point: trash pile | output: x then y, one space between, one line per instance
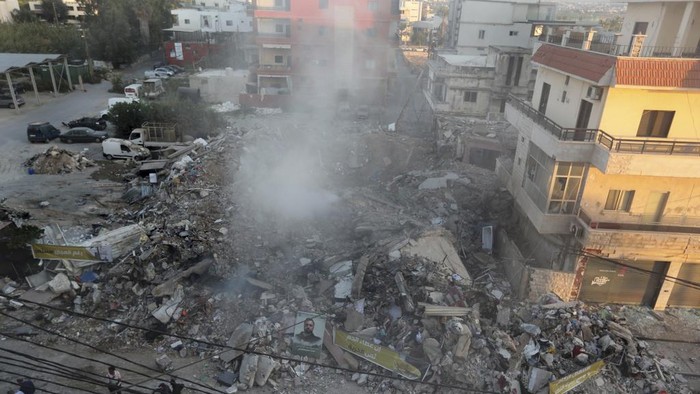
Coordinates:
57 161
391 282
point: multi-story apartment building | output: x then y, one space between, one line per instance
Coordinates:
474 25
411 10
205 28
607 166
476 85
76 10
323 48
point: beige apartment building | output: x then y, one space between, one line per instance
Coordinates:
607 167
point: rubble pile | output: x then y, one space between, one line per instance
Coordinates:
455 134
396 266
57 161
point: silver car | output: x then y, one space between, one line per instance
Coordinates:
6 101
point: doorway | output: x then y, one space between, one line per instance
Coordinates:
544 98
656 281
584 116
639 28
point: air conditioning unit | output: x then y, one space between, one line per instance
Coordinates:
576 230
594 92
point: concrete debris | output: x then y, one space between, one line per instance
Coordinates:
397 263
57 161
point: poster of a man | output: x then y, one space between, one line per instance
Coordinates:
308 335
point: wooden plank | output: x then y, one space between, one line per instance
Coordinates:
359 276
335 351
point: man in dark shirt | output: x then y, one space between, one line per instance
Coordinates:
26 386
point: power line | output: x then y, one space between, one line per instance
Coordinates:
98 350
274 356
43 380
52 365
45 372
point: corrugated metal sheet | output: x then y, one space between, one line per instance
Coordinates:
605 281
11 61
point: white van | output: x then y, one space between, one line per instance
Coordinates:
135 90
116 148
153 88
155 74
104 114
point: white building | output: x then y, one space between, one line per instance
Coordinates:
411 10
231 18
6 8
75 10
477 24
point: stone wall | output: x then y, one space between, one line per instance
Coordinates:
543 281
513 264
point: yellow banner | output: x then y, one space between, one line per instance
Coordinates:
59 252
569 382
380 355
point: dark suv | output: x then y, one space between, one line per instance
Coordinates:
41 132
6 100
93 123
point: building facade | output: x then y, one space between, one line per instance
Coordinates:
474 25
6 8
475 85
323 49
607 165
209 29
76 11
411 10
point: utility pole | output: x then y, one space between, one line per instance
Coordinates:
87 54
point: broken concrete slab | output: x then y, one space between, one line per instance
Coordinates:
354 320
431 348
239 340
438 246
538 379
464 342
249 367
266 365
437 183
169 286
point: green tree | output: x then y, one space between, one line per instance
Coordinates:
111 36
612 24
54 11
40 37
128 116
23 15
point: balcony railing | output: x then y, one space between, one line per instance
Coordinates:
613 144
648 146
561 133
613 220
606 46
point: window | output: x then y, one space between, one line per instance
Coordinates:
539 168
655 123
373 5
187 21
513 33
279 59
229 23
619 200
518 70
469 96
322 3
566 81
482 33
563 96
565 188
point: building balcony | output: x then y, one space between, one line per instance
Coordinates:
273 69
273 39
435 105
637 236
608 153
606 46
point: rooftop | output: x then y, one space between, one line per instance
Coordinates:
464 60
621 70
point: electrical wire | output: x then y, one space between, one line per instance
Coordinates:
274 356
45 372
79 375
43 380
99 351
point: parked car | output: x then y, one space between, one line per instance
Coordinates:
93 123
41 132
82 134
6 101
165 70
19 88
115 148
156 74
177 69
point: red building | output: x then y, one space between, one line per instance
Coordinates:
323 49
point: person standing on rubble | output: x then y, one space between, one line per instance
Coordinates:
176 387
26 386
162 389
114 380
